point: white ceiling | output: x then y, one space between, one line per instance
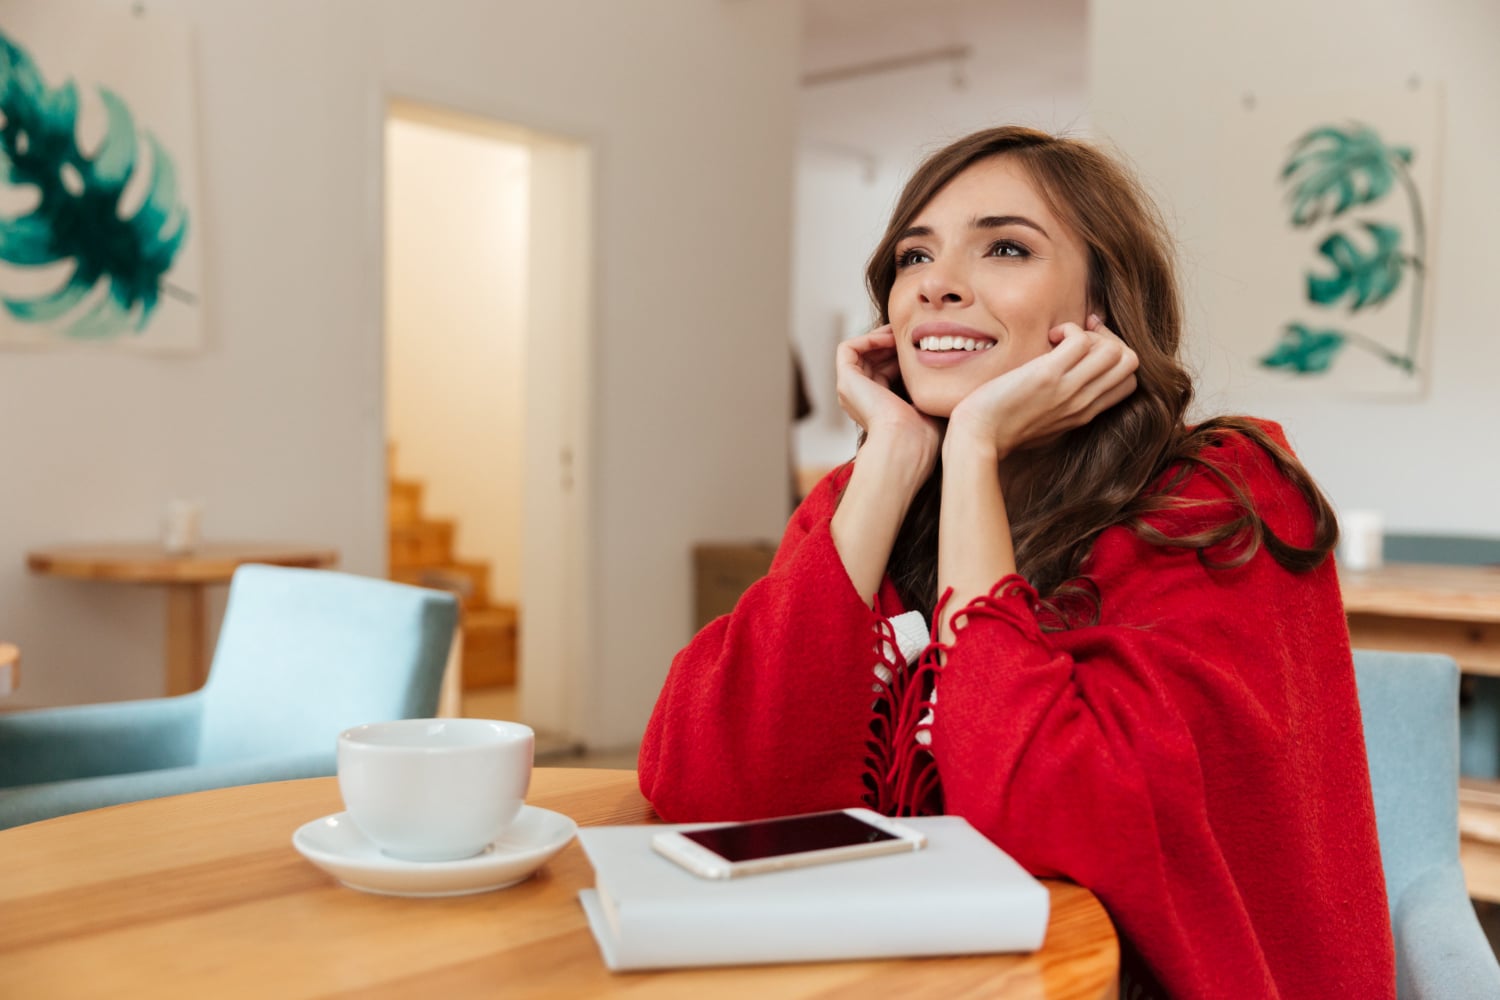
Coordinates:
1028 65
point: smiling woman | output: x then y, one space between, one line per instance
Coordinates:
1136 632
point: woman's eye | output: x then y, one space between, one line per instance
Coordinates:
909 257
1005 248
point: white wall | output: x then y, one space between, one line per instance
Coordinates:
276 425
456 255
279 426
841 213
1164 70
690 107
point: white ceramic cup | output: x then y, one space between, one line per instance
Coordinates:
1361 540
434 789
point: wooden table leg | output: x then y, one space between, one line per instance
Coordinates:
10 667
186 638
451 694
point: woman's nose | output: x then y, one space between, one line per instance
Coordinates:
943 285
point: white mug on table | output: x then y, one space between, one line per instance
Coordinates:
435 789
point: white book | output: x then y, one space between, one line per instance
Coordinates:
958 895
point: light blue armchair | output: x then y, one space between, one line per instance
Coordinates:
1411 734
303 654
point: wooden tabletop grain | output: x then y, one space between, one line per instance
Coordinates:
1418 590
203 896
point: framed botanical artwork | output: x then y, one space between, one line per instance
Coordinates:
99 217
1324 240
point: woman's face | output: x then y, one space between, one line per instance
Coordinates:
982 275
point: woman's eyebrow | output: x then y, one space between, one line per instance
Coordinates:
1001 221
982 222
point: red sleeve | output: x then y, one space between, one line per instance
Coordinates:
767 711
1195 759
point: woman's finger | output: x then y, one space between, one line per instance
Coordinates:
1069 338
876 342
1116 393
1112 386
1104 356
879 337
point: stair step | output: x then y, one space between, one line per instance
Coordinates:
421 553
405 504
490 643
469 581
425 543
500 616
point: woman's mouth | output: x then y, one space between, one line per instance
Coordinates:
953 344
941 345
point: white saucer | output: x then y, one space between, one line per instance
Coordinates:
337 846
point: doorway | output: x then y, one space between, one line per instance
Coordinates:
487 397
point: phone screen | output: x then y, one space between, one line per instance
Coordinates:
794 835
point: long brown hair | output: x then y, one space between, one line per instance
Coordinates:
1100 474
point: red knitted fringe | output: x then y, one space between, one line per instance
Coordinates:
901 777
901 774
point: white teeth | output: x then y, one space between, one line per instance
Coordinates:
953 344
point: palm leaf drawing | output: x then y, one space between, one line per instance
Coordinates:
1305 351
1370 278
1331 170
77 217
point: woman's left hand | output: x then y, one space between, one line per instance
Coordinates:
1087 371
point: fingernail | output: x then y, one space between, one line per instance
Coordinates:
1094 319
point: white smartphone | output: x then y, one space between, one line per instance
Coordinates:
736 849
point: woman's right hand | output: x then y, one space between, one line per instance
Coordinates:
899 453
866 367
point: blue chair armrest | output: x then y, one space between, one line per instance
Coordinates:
1441 951
52 744
32 803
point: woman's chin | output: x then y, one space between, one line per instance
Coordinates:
939 407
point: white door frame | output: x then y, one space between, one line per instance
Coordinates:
557 596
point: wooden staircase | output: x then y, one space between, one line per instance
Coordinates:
422 553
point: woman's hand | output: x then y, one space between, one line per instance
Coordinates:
1087 371
866 368
899 454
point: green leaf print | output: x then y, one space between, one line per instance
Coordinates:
1333 169
1369 277
77 217
1305 351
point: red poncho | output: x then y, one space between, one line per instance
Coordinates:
1195 759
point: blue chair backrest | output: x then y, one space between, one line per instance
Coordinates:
1410 706
304 654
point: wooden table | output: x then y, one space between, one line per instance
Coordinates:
1417 608
202 895
185 576
1412 607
